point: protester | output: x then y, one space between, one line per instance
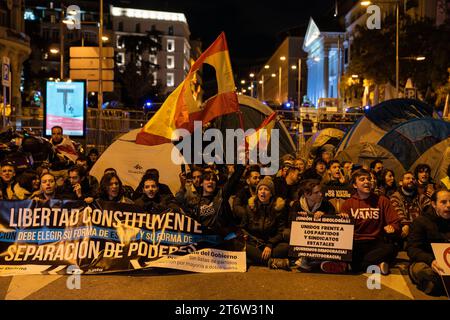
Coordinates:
211 207
92 157
374 217
334 185
408 203
191 184
66 150
425 184
347 170
317 170
77 186
312 203
431 227
30 181
388 185
376 166
287 187
111 189
128 190
49 190
152 201
263 223
10 188
252 178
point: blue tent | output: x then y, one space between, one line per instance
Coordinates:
384 117
409 140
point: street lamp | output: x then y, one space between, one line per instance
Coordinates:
397 14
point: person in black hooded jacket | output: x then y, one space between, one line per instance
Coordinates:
263 224
152 200
431 227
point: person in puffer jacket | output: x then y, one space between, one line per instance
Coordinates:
431 227
263 224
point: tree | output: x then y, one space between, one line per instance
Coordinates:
373 53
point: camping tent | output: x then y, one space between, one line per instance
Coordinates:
131 160
408 141
438 158
330 136
384 117
366 152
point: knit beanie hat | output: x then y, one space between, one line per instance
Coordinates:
267 181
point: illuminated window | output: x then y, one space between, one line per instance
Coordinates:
170 79
170 62
120 58
155 78
170 45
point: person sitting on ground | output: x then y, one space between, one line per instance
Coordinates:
163 188
252 178
211 206
93 182
408 203
317 170
128 191
287 161
49 190
334 185
376 166
111 189
388 185
312 203
77 186
191 184
30 181
287 187
374 216
431 227
10 188
152 201
425 184
300 164
263 224
92 158
347 170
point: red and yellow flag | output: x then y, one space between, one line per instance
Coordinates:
180 109
256 138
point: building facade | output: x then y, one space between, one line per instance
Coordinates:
278 80
173 58
324 45
15 45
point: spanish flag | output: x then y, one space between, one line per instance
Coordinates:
180 109
259 137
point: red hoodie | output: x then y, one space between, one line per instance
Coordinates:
371 215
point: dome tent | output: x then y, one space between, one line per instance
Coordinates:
438 158
366 152
408 141
384 117
322 137
131 160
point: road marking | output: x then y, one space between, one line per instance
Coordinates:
21 287
396 282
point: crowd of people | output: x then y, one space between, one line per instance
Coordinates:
390 214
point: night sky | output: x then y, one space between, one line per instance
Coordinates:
253 28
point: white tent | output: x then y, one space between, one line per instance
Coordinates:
131 160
